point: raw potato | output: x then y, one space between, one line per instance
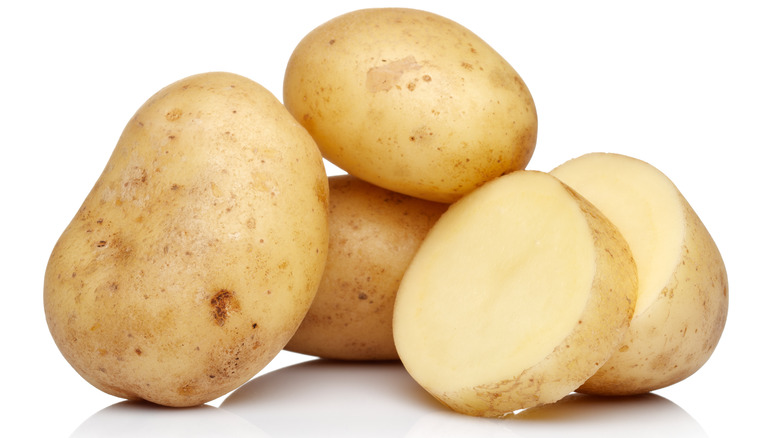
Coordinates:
683 288
518 294
197 253
411 101
374 234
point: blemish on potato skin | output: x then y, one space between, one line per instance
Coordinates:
173 114
222 304
385 77
186 390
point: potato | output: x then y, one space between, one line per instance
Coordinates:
683 289
373 235
197 253
411 102
518 294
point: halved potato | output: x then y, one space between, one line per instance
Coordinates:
518 294
683 288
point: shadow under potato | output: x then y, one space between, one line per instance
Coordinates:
333 398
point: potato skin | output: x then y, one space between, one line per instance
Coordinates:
374 234
677 334
411 101
198 251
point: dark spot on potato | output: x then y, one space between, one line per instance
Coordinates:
321 191
138 351
101 244
362 296
173 114
331 42
222 304
186 390
426 78
254 325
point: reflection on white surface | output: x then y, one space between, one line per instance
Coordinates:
323 398
138 419
330 398
578 415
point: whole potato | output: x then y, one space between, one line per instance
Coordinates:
197 253
411 101
374 234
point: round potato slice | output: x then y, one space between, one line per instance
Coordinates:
374 234
683 289
518 294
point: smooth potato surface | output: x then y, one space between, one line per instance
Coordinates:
198 251
374 233
683 286
411 101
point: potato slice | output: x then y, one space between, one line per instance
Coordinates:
683 288
518 294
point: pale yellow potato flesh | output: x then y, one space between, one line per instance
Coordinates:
518 294
374 233
197 253
683 288
411 101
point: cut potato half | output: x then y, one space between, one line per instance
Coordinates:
683 289
518 294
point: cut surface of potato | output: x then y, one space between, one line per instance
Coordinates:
683 291
517 295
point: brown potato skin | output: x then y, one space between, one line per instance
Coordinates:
411 101
197 253
374 233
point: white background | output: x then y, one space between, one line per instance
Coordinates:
691 87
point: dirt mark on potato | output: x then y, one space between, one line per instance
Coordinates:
222 304
386 76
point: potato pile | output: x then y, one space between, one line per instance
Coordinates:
214 238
